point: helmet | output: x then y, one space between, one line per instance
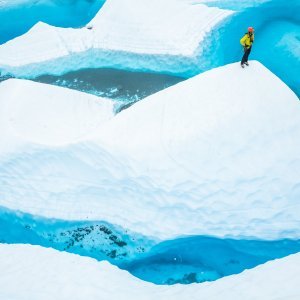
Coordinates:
250 29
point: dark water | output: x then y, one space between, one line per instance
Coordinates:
123 86
183 260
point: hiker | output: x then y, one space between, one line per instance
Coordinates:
247 41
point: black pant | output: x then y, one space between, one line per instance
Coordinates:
246 55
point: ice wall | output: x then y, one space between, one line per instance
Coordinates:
277 41
18 16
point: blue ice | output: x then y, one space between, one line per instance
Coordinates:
183 260
18 19
277 38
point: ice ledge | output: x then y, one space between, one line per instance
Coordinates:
167 30
41 273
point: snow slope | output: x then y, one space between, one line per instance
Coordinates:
217 155
37 113
39 273
163 31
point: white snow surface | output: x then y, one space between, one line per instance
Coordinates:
218 154
37 113
33 272
120 29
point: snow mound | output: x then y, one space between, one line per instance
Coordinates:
162 30
49 115
218 154
41 273
224 113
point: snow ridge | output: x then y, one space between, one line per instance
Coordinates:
70 276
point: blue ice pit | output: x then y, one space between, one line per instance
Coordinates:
184 260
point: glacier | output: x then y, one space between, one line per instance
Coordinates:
214 165
70 276
198 182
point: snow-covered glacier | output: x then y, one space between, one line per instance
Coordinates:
221 165
161 163
194 183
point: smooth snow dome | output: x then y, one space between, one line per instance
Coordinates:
207 156
40 273
48 115
18 16
133 34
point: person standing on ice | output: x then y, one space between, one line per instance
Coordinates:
247 41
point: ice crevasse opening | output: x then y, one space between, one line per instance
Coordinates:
183 260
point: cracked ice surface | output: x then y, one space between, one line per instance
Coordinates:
179 162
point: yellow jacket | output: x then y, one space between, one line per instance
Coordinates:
247 40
